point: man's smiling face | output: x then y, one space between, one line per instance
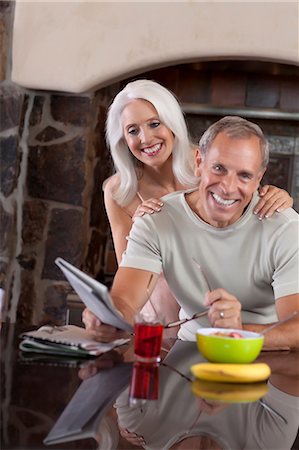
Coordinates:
230 172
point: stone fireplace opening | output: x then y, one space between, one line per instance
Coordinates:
54 161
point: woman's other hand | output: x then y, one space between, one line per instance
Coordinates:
273 199
148 207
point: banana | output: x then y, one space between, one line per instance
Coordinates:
228 392
231 373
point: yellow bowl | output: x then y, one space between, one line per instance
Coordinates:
226 349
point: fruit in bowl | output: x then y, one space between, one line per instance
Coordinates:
227 345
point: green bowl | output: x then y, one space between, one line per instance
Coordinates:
222 349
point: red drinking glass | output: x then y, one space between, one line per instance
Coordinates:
148 334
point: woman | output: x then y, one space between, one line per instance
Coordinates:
153 156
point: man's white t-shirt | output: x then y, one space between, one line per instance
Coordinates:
254 260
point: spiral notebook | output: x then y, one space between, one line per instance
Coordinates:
65 340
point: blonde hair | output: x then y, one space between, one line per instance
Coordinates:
170 114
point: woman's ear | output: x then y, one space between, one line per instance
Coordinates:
197 162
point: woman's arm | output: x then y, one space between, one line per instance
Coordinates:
272 199
120 221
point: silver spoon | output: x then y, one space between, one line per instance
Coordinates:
202 272
180 322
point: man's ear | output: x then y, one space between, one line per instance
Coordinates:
197 162
261 174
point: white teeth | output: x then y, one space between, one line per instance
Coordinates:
222 201
151 150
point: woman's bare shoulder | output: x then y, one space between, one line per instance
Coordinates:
110 184
109 187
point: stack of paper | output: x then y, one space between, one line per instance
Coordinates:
65 340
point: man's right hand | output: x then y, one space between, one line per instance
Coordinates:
100 331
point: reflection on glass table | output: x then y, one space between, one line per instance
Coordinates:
180 416
185 420
86 404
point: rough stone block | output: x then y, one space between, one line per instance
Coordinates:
98 137
197 125
55 303
65 239
10 106
98 216
95 252
37 110
6 231
110 258
27 298
71 110
278 171
34 220
9 164
27 261
56 172
3 51
6 6
3 273
23 114
49 134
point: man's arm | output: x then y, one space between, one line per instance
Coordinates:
130 291
286 335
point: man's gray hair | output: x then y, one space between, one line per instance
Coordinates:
235 127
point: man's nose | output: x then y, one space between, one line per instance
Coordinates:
230 182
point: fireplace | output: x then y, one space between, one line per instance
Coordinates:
54 161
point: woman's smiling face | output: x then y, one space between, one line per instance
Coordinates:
149 140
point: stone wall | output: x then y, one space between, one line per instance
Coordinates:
61 162
10 156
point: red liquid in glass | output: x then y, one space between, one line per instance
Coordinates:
148 339
145 381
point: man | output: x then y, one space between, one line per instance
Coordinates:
248 275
